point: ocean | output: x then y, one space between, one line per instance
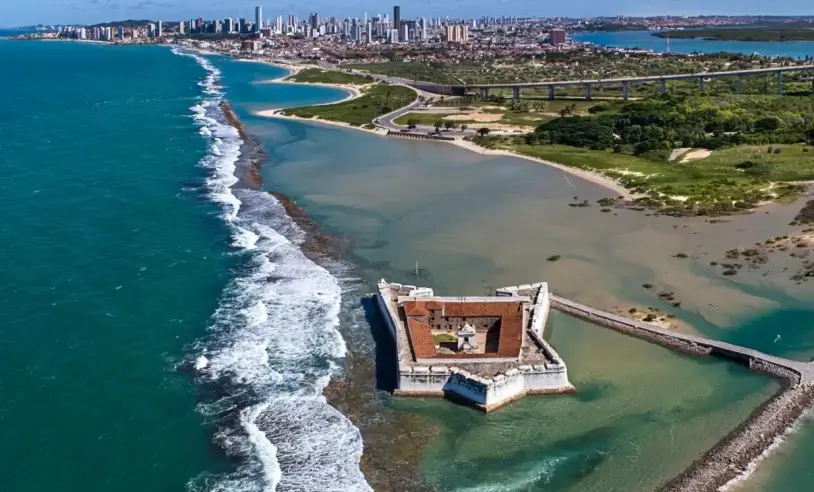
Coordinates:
132 254
167 327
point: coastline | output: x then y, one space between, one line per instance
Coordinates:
593 177
387 434
355 92
276 113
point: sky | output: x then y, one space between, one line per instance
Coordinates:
28 12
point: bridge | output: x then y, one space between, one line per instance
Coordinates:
796 371
624 82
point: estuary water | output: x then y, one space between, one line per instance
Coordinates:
134 253
646 41
641 413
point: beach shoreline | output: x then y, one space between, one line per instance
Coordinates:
386 433
593 177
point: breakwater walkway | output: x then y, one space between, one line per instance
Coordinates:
798 372
734 455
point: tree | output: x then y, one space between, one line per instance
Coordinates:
483 131
412 123
438 124
449 125
464 126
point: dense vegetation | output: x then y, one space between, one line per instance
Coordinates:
576 65
316 75
438 72
757 33
757 143
375 101
654 126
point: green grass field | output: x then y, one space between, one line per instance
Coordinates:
376 100
719 182
316 75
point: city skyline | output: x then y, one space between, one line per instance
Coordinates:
95 11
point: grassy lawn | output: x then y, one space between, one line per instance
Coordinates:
316 75
530 120
716 184
377 100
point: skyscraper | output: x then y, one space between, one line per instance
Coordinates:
160 30
397 18
258 18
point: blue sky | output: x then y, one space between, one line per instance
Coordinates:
26 12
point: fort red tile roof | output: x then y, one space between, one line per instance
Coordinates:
421 338
510 340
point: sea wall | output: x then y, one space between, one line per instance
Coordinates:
748 442
629 328
484 393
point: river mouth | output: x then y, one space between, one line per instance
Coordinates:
473 223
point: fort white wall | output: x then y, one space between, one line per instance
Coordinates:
484 393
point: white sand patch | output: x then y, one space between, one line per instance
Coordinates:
696 154
676 153
479 117
625 172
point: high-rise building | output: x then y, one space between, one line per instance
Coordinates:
278 25
160 30
556 37
457 33
397 18
258 18
182 27
404 33
369 32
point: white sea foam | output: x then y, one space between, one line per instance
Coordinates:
274 341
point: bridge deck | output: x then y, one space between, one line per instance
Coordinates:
805 369
650 78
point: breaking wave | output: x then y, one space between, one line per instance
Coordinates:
273 343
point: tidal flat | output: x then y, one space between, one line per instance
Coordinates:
472 223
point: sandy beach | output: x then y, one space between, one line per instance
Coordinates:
276 113
593 177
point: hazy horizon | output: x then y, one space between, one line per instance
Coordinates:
53 12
